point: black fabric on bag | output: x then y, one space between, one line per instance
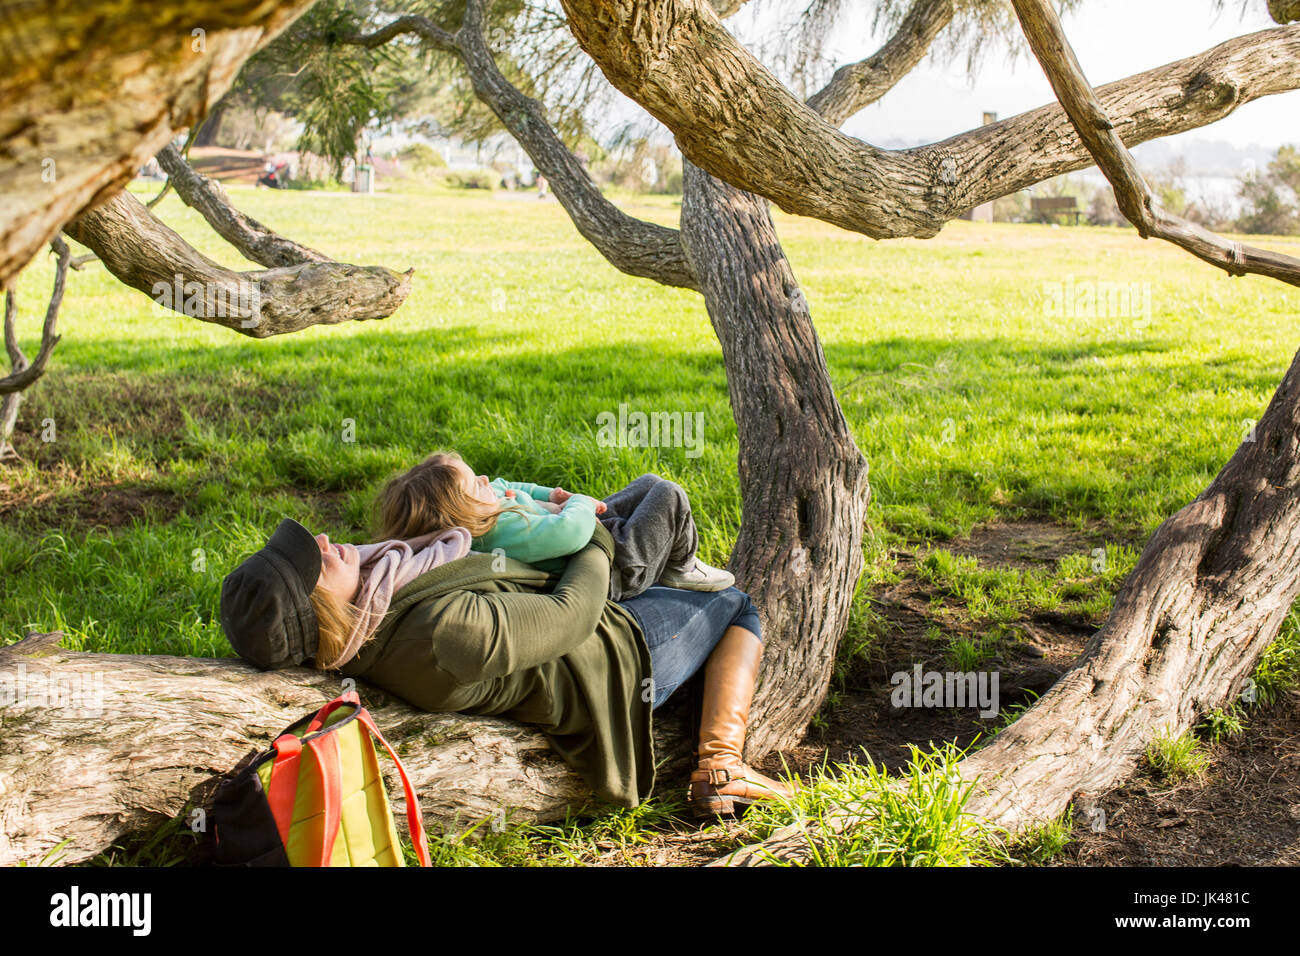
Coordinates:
243 827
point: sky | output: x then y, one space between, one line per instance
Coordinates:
1113 39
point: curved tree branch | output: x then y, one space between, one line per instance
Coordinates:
256 242
146 255
857 85
631 245
1046 37
734 119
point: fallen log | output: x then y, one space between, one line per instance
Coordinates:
95 747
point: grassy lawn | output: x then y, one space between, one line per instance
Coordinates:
974 387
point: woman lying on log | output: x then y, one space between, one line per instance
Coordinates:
448 629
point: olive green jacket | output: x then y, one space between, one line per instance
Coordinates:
466 638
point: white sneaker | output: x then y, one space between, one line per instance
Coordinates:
699 578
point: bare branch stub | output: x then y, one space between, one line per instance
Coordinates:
1043 30
24 373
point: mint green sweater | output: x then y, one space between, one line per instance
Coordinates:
538 537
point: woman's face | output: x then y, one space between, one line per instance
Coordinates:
476 486
340 568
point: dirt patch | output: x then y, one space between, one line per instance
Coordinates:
1244 812
866 717
1030 542
106 505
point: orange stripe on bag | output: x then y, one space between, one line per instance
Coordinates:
283 787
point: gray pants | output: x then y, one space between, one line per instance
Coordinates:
653 531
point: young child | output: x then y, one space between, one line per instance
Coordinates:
650 520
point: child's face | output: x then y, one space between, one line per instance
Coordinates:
476 486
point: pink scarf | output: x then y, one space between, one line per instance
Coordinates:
387 567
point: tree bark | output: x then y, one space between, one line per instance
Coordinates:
88 94
144 254
166 728
803 480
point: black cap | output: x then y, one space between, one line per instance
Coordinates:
266 608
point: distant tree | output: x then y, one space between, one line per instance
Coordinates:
1271 205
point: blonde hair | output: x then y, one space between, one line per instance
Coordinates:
335 620
430 497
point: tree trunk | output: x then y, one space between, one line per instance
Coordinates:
89 91
1188 626
166 727
211 128
803 480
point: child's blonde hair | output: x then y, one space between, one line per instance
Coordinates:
335 620
430 497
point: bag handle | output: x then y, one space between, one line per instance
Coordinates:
318 721
283 787
414 818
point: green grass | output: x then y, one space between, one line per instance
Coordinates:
967 397
916 818
1222 723
1177 756
1278 669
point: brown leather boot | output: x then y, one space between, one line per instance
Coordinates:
721 779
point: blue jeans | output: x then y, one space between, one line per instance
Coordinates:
682 628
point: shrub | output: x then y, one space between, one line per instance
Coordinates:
471 179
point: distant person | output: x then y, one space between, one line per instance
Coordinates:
541 187
274 175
